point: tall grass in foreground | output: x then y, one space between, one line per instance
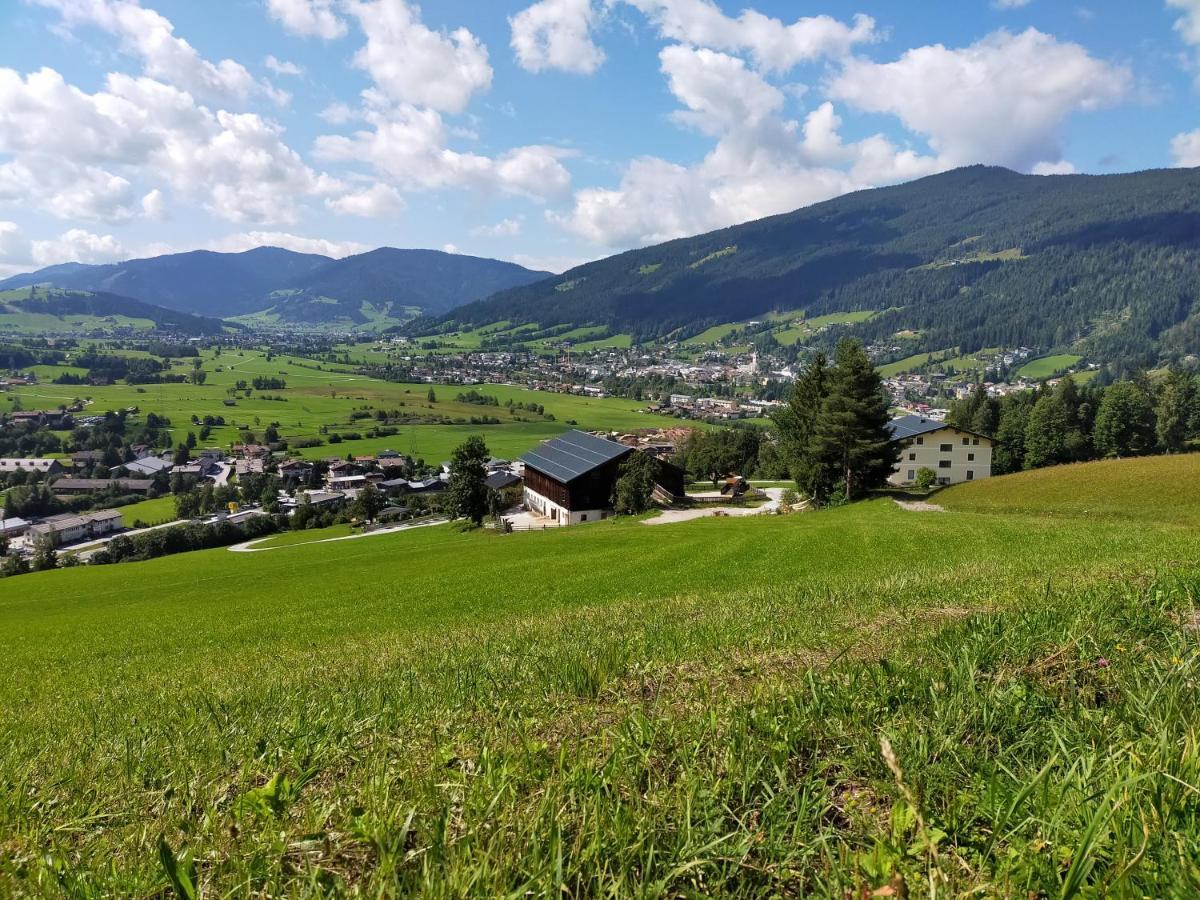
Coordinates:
1051 749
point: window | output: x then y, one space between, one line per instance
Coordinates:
912 474
912 457
583 518
920 440
944 464
970 475
946 448
970 457
966 442
975 442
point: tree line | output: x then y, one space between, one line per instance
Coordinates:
1076 423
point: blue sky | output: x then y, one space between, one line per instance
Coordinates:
547 132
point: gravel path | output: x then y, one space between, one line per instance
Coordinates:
248 546
671 516
918 506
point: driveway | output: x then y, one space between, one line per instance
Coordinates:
672 516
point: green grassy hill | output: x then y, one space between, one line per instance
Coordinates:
996 703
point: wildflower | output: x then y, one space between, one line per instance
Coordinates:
1102 663
1121 648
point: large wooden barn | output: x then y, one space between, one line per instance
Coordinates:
570 479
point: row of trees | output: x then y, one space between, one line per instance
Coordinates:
1073 423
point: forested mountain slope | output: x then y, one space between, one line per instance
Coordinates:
39 309
973 258
201 283
294 287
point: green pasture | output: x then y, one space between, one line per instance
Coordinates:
1048 366
319 397
991 703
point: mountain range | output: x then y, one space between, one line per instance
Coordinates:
270 284
1107 266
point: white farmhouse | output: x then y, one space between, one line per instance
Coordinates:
954 454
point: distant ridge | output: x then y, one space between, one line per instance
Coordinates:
299 287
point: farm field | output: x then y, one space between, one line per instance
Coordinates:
320 397
992 702
912 363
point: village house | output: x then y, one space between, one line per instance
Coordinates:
12 527
37 466
953 454
72 486
242 467
68 529
148 466
571 478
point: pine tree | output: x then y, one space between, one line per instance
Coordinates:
1178 404
1125 422
1046 433
850 434
795 423
468 494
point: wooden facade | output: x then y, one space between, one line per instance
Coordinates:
593 490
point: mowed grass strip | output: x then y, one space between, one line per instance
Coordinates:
616 710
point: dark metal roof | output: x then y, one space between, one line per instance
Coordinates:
498 481
573 455
911 426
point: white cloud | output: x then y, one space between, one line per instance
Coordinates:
506 228
718 90
374 202
555 264
1002 100
761 164
408 145
282 67
414 65
80 246
308 18
154 205
1185 149
238 243
1188 25
146 34
772 44
1010 4
1062 167
338 114
556 34
15 248
451 248
237 165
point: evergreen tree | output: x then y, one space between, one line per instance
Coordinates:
468 494
1046 433
796 424
850 434
1125 422
1178 405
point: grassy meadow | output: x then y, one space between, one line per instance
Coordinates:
982 701
316 397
